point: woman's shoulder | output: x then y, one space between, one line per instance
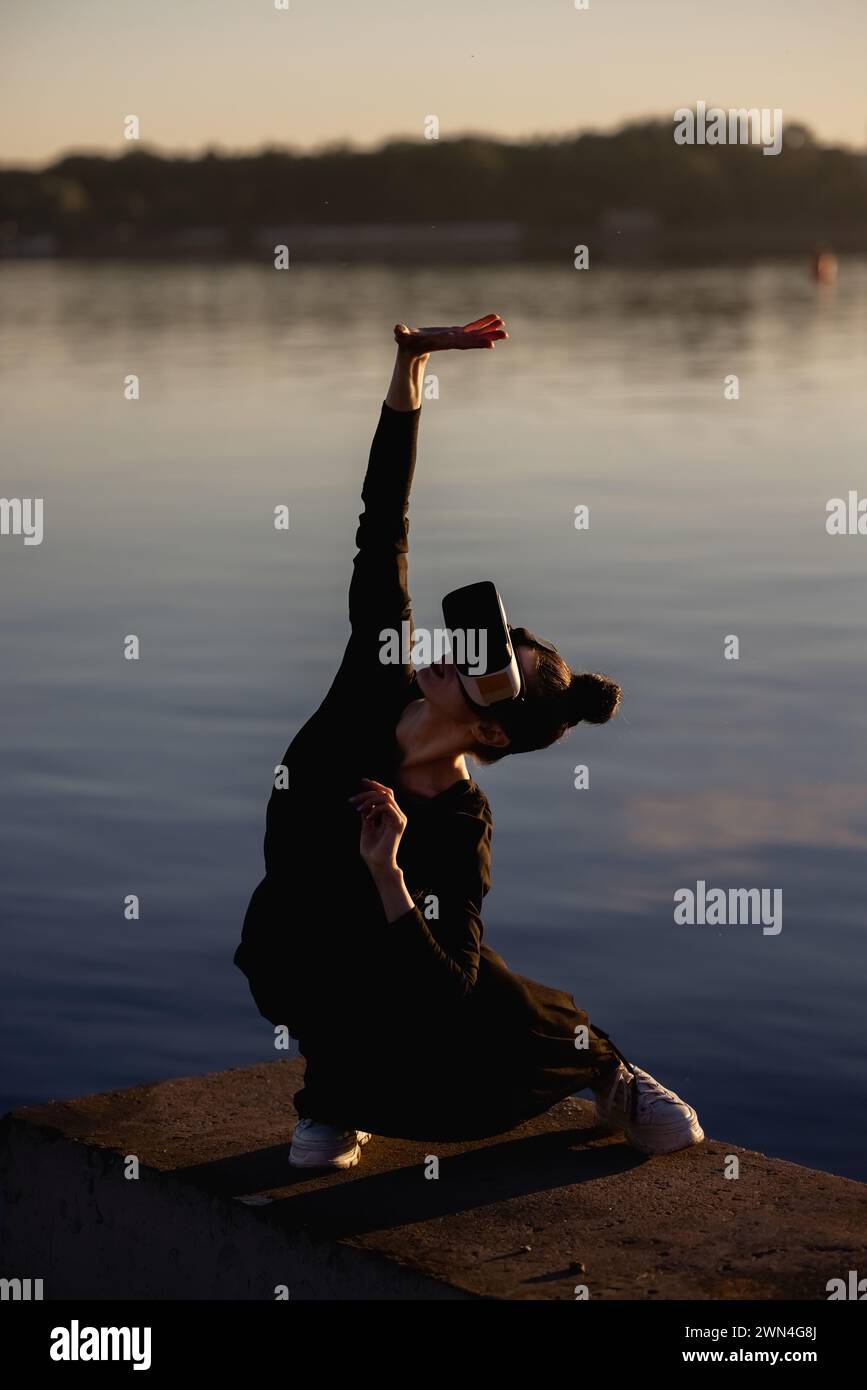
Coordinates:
473 819
466 838
466 799
476 799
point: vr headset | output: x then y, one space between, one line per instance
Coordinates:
490 674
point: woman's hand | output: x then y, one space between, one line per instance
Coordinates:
382 825
414 346
482 333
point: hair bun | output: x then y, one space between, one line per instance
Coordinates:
591 697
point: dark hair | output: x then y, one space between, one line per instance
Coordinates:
557 699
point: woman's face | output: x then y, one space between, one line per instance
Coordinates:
440 686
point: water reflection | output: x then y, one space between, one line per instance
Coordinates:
707 518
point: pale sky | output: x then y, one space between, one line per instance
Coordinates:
239 73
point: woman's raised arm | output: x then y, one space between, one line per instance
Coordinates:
378 595
377 657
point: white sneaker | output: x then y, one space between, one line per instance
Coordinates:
653 1119
316 1145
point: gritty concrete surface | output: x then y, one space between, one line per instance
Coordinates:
217 1213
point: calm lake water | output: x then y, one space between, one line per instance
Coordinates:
707 518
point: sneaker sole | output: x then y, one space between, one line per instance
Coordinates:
311 1159
668 1143
308 1156
665 1143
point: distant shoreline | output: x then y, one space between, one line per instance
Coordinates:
633 194
466 243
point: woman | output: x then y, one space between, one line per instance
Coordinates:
364 939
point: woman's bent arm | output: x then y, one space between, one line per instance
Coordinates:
445 964
421 959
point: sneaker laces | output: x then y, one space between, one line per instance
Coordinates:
620 1080
652 1093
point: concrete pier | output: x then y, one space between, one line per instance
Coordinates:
216 1213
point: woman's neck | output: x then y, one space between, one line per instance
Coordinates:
429 762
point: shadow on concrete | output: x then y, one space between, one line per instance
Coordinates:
347 1204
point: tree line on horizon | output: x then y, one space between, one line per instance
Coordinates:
569 181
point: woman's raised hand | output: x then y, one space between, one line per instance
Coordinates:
382 825
481 333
